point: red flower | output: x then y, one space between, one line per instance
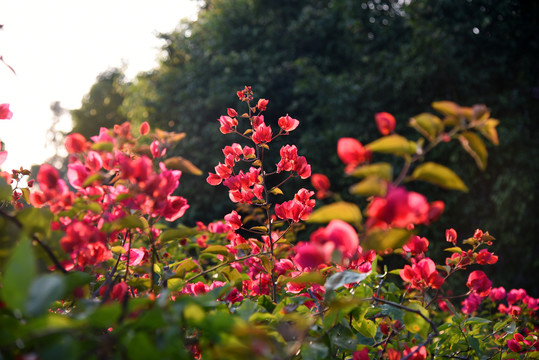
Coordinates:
341 234
262 134
385 123
361 355
479 283
416 245
420 354
5 113
451 236
228 124
287 123
423 274
485 257
144 128
231 112
75 143
514 345
175 208
321 184
497 294
233 220
352 153
262 104
399 208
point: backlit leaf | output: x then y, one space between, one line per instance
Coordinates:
473 144
427 125
342 278
341 210
386 239
180 163
415 323
488 130
439 175
393 144
447 108
383 170
18 275
371 185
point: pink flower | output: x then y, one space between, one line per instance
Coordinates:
321 184
262 134
385 123
484 257
479 283
287 123
157 149
144 128
233 220
451 236
262 104
311 255
420 354
5 113
399 208
175 208
361 355
416 245
497 294
75 143
423 274
471 303
228 124
352 153
514 345
341 234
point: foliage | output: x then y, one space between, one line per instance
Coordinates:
99 272
343 61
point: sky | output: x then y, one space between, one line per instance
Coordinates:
59 47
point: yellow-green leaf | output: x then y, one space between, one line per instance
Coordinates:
261 229
427 125
393 144
371 185
186 266
488 130
304 278
216 249
472 143
383 170
455 249
103 146
447 108
276 191
386 239
439 175
341 210
179 163
118 250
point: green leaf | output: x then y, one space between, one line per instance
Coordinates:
393 144
476 320
44 290
372 185
265 302
473 144
216 249
177 234
18 275
386 239
383 170
314 351
129 222
36 220
455 249
439 175
427 125
341 210
303 278
185 266
91 179
339 279
365 327
414 322
103 146
261 229
5 190
447 108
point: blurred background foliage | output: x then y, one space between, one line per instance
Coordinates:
333 65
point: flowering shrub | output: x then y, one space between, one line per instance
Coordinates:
95 267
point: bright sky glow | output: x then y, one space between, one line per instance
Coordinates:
59 47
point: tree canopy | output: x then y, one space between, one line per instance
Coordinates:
333 65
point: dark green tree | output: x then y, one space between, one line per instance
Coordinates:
333 64
100 107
